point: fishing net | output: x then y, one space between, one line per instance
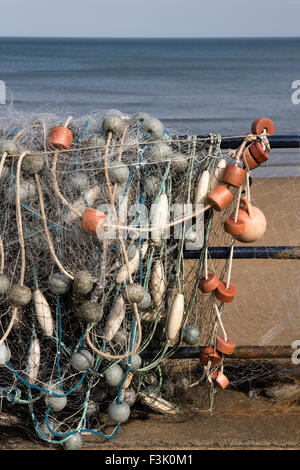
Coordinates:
92 243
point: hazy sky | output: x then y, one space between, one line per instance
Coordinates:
150 18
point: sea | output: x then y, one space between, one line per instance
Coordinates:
194 86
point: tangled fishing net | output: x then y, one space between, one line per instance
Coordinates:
96 213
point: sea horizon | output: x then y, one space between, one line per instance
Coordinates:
194 85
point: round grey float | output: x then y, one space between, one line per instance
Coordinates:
33 164
74 442
152 128
4 284
19 295
90 312
134 293
24 193
191 334
4 354
57 403
158 153
119 413
79 182
113 123
82 360
136 362
95 140
59 284
46 431
113 376
83 282
120 337
145 302
130 396
140 117
118 172
9 147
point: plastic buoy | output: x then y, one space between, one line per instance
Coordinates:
255 222
119 412
209 354
234 228
209 284
258 152
224 347
225 295
261 124
234 176
221 380
191 334
74 442
249 160
59 284
92 221
60 138
219 198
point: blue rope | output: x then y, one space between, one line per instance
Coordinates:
55 227
41 389
78 431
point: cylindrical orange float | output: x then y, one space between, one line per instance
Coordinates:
225 295
60 138
221 380
234 227
92 221
249 160
210 354
258 152
209 284
224 347
261 124
219 198
234 176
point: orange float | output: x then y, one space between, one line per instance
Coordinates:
209 284
92 221
209 354
60 138
225 295
249 160
225 347
219 198
255 222
234 227
258 152
234 176
221 380
263 124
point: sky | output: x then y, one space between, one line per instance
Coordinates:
150 18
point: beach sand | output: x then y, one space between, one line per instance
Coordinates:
265 311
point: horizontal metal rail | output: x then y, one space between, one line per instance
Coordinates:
276 141
240 352
248 252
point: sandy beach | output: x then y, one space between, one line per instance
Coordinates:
266 308
265 311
